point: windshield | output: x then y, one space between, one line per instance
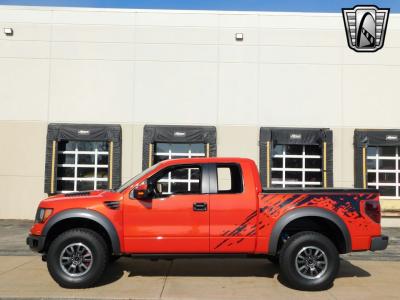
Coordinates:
132 180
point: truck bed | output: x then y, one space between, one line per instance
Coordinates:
318 190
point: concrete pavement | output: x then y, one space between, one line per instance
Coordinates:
13 235
27 277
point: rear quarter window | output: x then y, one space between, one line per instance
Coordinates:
229 179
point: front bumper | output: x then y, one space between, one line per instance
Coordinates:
36 242
379 243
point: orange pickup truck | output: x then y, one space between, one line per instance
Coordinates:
220 211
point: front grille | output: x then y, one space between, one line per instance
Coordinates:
112 204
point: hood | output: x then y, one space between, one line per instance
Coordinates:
81 199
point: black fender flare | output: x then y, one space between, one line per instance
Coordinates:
306 212
89 215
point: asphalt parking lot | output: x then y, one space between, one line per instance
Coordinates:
362 275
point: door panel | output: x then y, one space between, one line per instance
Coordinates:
233 211
167 225
233 222
177 219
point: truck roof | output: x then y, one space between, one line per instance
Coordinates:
205 160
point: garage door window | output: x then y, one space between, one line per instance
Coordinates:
82 165
182 180
170 151
296 166
296 157
376 161
383 170
161 142
82 157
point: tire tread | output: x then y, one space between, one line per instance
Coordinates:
102 259
294 280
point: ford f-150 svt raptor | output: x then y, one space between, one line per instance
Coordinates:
206 207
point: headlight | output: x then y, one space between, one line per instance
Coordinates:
43 214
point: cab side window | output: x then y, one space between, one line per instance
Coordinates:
179 180
229 179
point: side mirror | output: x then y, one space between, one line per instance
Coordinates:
142 192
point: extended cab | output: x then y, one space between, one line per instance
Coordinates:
206 207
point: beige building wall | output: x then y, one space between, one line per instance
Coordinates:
22 168
137 67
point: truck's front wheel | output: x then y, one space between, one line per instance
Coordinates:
309 261
77 258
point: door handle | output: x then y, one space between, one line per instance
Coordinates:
200 206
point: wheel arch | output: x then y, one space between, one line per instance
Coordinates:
86 216
304 213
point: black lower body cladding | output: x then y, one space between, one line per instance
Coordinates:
36 242
379 243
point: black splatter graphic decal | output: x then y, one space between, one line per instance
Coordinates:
243 226
272 206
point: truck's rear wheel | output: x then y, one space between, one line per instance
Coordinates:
309 261
77 258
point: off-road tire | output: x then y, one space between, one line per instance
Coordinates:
92 241
289 259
